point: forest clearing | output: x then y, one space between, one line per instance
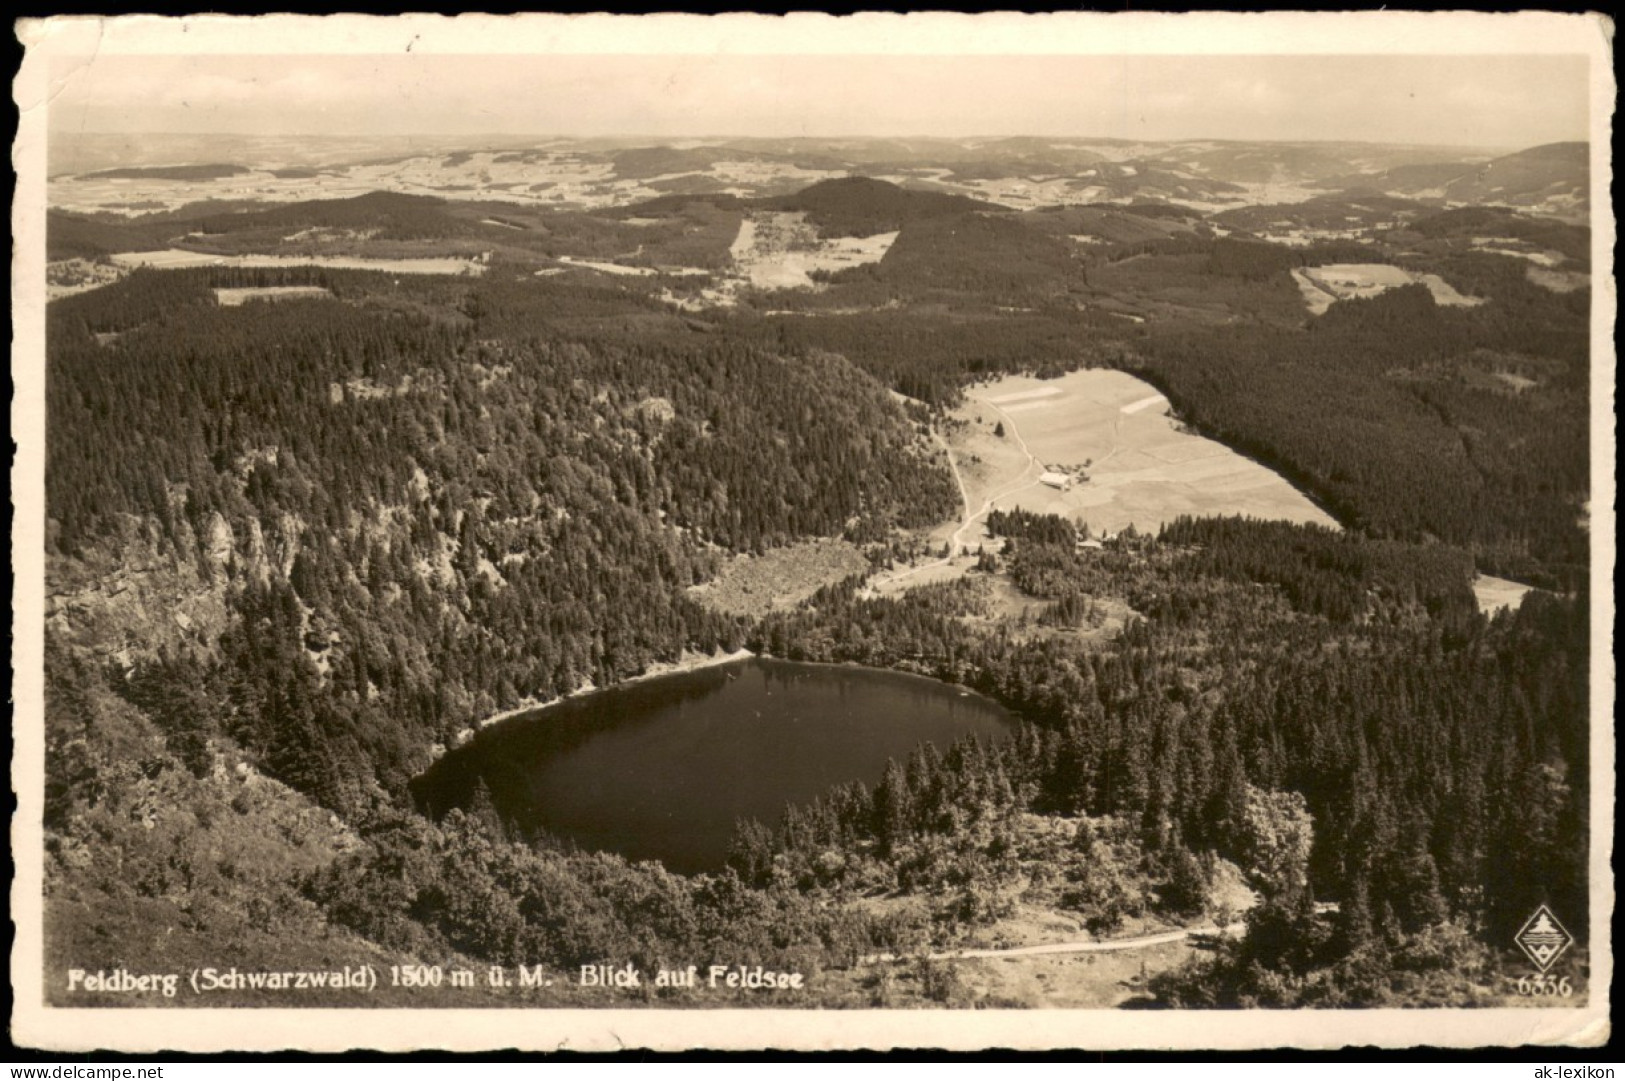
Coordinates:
779 250
1323 286
1124 461
231 298
1493 593
176 258
1114 429
780 578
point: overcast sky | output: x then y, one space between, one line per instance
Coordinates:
1492 101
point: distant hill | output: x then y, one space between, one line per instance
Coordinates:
1112 224
648 162
1402 179
668 205
394 215
860 206
70 236
1469 222
1146 180
1022 156
1350 210
1554 176
994 256
385 215
689 184
1252 163
1021 171
1033 146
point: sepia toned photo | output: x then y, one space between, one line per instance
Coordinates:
933 531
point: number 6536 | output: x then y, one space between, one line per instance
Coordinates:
1549 986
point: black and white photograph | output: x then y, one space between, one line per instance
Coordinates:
889 531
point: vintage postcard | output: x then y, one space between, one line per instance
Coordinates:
1075 531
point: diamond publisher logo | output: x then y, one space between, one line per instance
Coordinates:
1543 939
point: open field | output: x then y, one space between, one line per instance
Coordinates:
556 176
607 268
1558 281
1518 249
1497 593
1124 459
782 578
175 257
231 298
1446 294
574 262
1322 286
1114 429
65 277
779 250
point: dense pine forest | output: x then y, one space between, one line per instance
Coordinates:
383 515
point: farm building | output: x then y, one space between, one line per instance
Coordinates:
1063 481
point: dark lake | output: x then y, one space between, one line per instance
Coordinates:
662 769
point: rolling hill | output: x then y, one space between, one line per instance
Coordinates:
859 206
1131 224
1555 176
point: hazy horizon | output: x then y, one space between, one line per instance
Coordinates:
1497 102
725 136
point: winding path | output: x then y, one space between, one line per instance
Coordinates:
1026 477
969 518
1109 945
1014 432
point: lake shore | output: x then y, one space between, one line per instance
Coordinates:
686 662
665 769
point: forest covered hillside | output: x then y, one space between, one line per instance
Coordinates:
310 525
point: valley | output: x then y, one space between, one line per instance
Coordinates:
1234 480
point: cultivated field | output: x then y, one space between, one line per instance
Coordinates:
1322 286
779 250
176 257
624 270
231 298
65 277
1497 593
1558 281
1097 447
1115 430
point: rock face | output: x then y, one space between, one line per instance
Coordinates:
123 601
221 543
137 593
657 409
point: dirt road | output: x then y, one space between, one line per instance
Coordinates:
1109 945
969 517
